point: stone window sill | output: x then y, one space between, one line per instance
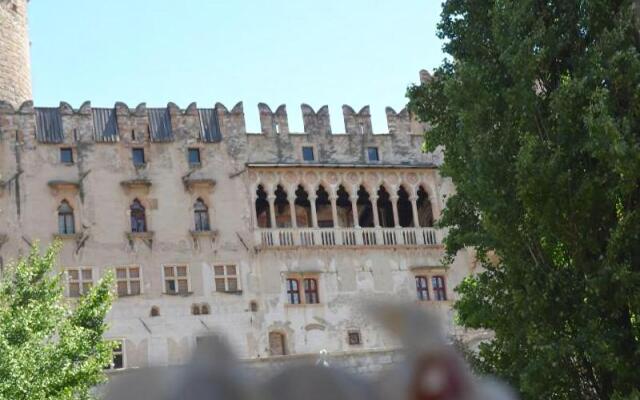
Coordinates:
210 233
139 235
230 292
67 236
303 305
187 294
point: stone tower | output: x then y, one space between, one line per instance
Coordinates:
15 66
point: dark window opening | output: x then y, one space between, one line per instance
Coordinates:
66 223
345 210
354 338
204 309
421 288
262 209
201 215
425 211
307 153
323 209
293 291
66 155
365 209
194 157
138 156
253 306
439 290
372 154
155 311
138 217
195 309
405 209
311 291
385 209
303 208
283 208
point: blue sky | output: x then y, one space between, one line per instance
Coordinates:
356 52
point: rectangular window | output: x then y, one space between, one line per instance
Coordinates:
117 359
79 281
439 289
307 153
138 156
311 291
422 288
372 154
176 279
194 157
128 281
66 155
226 278
293 291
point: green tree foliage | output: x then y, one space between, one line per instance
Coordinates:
50 349
538 108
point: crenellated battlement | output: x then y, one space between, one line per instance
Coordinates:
140 123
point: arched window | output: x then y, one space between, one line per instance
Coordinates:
345 212
365 210
277 344
201 214
405 210
311 291
283 210
425 212
323 208
303 208
138 217
66 222
385 209
262 208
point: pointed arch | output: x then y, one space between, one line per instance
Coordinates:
405 209
385 208
66 219
425 208
323 208
282 207
303 208
365 208
263 213
345 210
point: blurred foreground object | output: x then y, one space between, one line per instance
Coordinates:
432 370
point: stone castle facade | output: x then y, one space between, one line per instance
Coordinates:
275 239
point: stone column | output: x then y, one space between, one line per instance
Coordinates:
272 210
334 209
354 208
414 209
292 211
374 209
394 205
314 214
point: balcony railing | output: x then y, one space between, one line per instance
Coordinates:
331 237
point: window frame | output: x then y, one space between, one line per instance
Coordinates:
143 210
122 352
439 292
68 219
377 153
422 291
81 281
128 280
175 278
66 151
304 150
198 216
140 151
311 295
194 150
351 332
293 293
226 276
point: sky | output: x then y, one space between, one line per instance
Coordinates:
333 52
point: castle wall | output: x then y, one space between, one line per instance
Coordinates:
102 182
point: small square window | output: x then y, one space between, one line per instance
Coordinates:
372 154
117 360
307 153
194 157
226 278
66 155
354 338
138 157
